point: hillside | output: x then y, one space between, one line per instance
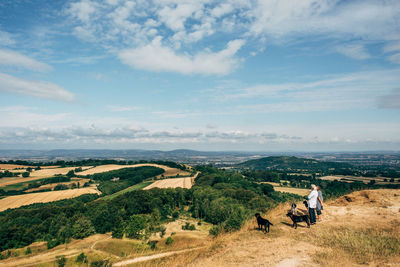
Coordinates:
291 164
361 228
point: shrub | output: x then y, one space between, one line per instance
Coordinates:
163 229
82 258
216 230
169 241
100 263
175 215
25 174
117 232
28 251
61 261
52 243
152 244
188 226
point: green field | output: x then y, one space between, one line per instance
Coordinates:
131 188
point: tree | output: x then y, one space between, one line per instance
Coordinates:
136 226
71 173
29 169
25 174
82 228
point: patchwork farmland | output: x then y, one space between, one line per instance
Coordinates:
13 202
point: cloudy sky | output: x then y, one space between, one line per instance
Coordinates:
266 75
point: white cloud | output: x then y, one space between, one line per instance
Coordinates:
356 51
117 108
6 39
375 20
342 92
39 89
83 10
156 57
12 58
392 47
395 58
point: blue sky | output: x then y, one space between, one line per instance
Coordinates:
261 75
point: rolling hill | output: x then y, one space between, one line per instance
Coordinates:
288 163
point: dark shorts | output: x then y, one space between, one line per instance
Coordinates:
319 212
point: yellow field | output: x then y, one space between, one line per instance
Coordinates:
350 179
111 167
53 171
184 182
293 190
22 200
12 166
51 186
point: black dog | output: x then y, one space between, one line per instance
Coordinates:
262 222
298 218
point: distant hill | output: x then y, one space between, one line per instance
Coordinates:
291 164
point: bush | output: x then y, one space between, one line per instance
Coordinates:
216 230
61 261
175 215
28 251
82 258
25 174
60 187
152 244
163 229
189 227
100 263
169 241
52 243
118 232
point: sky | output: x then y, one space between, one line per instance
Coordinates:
266 75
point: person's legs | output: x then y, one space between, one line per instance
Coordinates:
313 220
319 215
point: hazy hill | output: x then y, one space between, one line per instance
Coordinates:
291 163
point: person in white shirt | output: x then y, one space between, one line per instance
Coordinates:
312 203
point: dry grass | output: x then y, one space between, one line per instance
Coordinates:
185 182
12 166
111 167
53 171
350 179
362 228
35 175
292 190
81 182
13 202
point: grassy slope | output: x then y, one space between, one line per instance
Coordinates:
131 188
360 229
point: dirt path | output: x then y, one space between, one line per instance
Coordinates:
153 257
